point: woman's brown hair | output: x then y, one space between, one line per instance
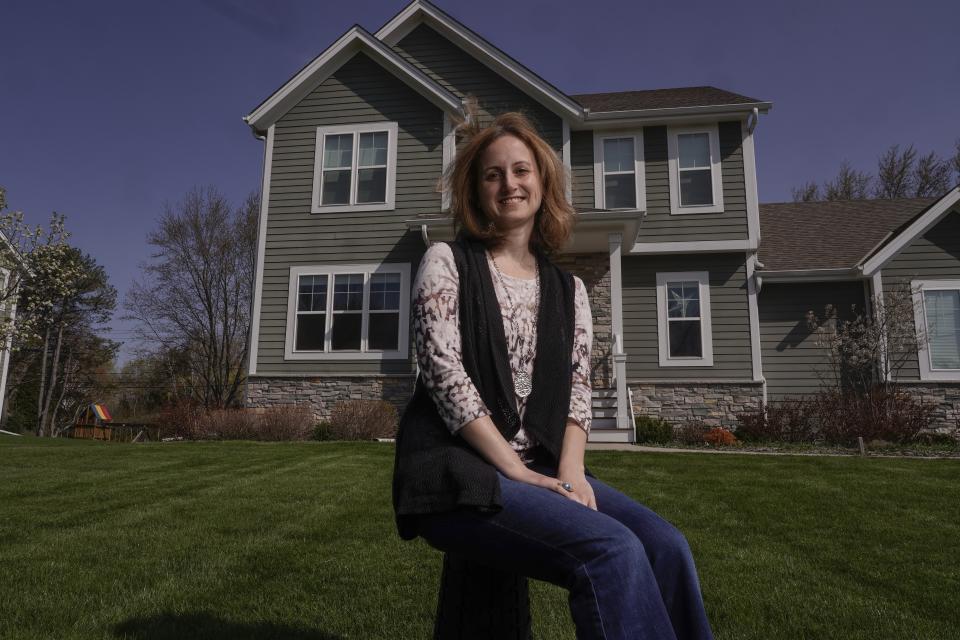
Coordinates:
554 221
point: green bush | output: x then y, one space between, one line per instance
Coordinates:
322 431
651 429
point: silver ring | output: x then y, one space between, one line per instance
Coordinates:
567 486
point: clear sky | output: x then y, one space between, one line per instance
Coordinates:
110 108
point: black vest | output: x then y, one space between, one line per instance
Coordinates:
436 471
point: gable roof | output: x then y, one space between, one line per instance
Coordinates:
355 40
800 236
422 12
911 230
662 99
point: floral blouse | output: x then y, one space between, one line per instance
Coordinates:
436 326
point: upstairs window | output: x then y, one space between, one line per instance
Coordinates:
355 167
348 312
695 178
937 312
683 318
618 169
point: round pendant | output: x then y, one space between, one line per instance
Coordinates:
521 383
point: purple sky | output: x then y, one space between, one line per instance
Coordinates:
109 108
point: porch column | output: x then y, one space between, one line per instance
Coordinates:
624 410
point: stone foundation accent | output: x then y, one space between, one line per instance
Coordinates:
322 393
594 270
713 403
945 396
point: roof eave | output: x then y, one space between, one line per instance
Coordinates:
810 275
745 108
422 11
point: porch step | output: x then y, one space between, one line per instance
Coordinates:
604 409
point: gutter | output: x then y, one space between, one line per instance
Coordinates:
751 107
839 274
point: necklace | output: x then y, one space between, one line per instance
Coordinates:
522 384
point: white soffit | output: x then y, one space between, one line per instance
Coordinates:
356 40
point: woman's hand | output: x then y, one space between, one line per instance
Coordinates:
582 491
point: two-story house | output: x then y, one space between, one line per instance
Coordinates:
667 236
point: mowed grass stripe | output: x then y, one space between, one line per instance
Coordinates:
296 540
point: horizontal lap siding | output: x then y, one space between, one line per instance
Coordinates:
729 315
581 165
463 75
659 225
793 363
360 91
934 256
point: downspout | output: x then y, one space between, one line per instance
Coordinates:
752 120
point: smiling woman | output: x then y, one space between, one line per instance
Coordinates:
489 457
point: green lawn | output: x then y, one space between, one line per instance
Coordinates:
245 540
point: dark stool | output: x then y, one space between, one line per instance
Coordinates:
477 602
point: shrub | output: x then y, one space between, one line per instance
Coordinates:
787 421
363 420
692 432
876 414
285 422
229 424
652 429
323 431
720 437
181 420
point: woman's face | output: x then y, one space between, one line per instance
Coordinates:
510 189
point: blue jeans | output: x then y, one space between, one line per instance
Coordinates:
629 573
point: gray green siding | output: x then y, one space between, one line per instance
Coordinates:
934 256
729 315
581 169
463 75
660 226
793 363
360 91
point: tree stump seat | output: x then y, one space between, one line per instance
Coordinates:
477 602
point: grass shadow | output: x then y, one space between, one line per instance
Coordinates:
205 626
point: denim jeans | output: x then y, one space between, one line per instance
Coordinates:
629 573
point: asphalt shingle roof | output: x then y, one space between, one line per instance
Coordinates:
660 99
830 235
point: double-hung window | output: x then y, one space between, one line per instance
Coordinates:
695 178
683 319
937 315
348 312
619 181
355 167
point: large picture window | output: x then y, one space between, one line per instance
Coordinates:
683 319
348 312
619 181
937 314
695 178
355 167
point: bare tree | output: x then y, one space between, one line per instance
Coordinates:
866 351
194 296
955 161
849 184
807 192
931 177
895 173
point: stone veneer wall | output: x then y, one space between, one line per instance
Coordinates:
322 393
945 396
714 403
594 270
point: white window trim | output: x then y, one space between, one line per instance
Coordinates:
715 170
599 190
356 129
706 329
403 268
917 287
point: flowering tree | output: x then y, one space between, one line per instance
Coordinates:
61 297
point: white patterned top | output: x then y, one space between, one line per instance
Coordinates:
436 327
